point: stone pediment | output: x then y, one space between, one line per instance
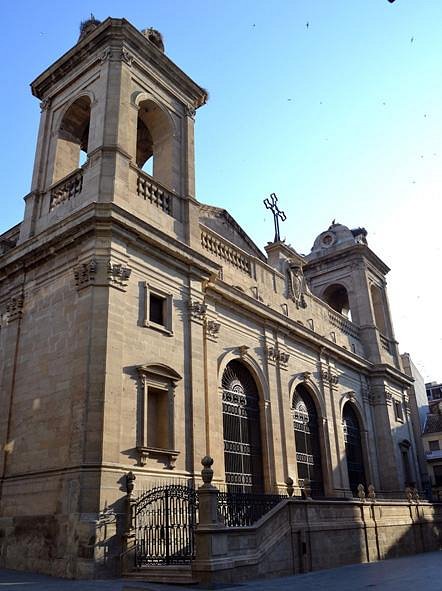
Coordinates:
220 221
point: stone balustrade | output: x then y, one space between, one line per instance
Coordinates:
214 244
151 190
344 324
66 189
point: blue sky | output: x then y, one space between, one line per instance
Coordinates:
341 118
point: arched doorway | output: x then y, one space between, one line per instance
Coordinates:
353 448
308 447
242 430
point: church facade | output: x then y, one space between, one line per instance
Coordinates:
142 330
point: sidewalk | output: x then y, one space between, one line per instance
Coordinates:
423 571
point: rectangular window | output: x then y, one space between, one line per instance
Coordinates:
157 308
434 445
437 475
398 414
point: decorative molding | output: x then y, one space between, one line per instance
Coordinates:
190 111
45 104
105 55
85 273
212 329
350 395
118 275
243 351
277 356
14 307
126 57
197 310
365 391
380 396
329 377
169 455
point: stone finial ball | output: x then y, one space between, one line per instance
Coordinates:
207 461
154 37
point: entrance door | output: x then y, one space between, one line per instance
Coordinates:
242 430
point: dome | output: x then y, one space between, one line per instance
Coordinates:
335 237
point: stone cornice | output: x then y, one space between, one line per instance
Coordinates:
357 251
120 33
102 218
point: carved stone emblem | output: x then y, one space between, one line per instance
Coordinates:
296 284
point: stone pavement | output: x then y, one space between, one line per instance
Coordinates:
423 571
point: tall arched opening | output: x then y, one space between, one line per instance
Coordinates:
154 142
378 309
242 430
72 138
336 296
353 448
307 439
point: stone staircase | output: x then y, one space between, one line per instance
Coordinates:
179 574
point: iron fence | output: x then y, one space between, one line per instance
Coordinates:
242 509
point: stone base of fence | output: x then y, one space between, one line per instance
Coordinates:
299 536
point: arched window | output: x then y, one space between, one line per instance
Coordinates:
378 309
154 142
308 447
353 448
336 297
73 138
242 430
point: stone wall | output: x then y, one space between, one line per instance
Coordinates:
302 536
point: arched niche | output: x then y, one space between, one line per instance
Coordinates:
336 296
154 141
72 137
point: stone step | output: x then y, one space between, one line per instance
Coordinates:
175 574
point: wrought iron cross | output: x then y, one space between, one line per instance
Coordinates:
277 213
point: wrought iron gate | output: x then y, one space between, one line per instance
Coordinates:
164 522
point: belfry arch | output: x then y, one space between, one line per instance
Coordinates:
241 430
72 137
336 296
307 439
154 147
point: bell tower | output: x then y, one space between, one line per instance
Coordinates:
117 126
344 272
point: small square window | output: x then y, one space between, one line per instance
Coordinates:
398 414
434 445
157 309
